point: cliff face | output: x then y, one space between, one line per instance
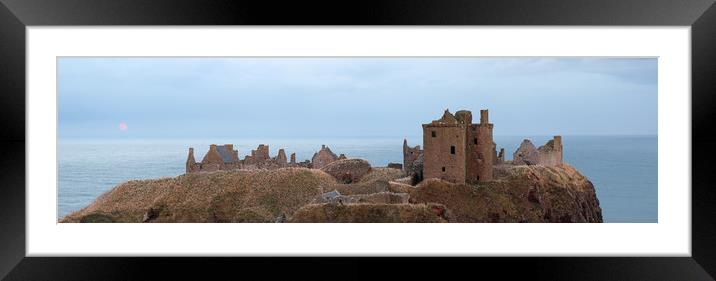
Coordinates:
519 194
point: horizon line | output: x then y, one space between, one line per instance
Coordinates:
344 137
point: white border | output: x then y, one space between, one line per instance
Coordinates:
670 236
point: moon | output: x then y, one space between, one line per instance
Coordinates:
123 126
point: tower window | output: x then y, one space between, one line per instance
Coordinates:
443 169
433 134
475 140
452 149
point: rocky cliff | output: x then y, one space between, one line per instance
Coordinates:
518 194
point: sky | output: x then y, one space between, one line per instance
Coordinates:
351 97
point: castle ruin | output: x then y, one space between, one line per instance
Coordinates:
324 157
459 151
219 157
549 154
410 156
224 157
454 149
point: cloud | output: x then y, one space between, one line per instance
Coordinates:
347 96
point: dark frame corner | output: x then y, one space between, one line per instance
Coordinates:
15 15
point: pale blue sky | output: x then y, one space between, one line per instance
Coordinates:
351 97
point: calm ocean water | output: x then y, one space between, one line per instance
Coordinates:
622 168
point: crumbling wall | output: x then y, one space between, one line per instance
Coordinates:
191 165
526 154
480 150
280 159
410 154
549 154
323 157
500 157
224 157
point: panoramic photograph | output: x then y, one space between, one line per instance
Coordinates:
357 140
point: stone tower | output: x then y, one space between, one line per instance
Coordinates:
410 155
457 150
191 161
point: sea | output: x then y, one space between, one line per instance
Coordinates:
623 169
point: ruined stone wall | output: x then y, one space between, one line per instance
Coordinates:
550 154
191 165
494 153
481 153
526 154
473 160
258 155
281 158
323 157
440 159
486 152
234 153
410 154
212 156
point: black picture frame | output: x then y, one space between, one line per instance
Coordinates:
16 15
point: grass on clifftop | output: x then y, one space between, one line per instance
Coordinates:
521 194
375 181
371 213
223 196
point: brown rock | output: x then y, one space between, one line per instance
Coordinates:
372 213
525 194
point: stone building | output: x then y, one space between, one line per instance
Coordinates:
457 150
526 154
219 157
323 157
258 155
224 157
549 154
410 155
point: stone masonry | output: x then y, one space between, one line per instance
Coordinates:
224 157
549 154
410 155
323 157
456 150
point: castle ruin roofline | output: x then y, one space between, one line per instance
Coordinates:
464 116
444 125
226 154
447 118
